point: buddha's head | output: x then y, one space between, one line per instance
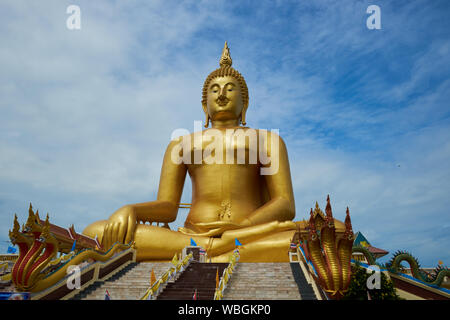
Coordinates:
225 93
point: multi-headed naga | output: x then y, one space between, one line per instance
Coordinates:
330 253
37 266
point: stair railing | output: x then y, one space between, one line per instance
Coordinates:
154 290
309 271
4 266
4 275
226 275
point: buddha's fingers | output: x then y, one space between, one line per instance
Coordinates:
109 239
287 225
115 232
130 228
258 231
121 232
105 239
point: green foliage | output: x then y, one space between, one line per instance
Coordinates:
358 287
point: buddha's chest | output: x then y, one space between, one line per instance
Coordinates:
215 148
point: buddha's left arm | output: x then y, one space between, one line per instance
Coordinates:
281 205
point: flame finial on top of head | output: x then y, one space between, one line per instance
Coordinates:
225 59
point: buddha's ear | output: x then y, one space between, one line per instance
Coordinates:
243 113
205 110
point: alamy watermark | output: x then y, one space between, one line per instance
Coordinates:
374 20
73 22
209 146
74 279
374 280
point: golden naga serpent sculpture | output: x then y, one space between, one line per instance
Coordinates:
329 253
37 267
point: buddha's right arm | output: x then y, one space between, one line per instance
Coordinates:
156 211
122 223
171 183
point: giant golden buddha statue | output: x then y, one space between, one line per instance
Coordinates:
230 200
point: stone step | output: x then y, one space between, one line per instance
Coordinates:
131 285
249 281
262 281
198 276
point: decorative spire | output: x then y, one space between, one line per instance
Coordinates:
329 214
328 208
16 227
15 231
46 229
348 224
317 211
312 226
31 217
37 218
225 59
347 217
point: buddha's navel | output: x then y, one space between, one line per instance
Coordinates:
225 209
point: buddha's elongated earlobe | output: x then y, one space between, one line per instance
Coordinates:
243 116
207 120
205 110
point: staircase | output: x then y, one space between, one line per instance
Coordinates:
130 283
197 276
306 290
262 281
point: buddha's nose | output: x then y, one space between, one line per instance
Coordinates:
222 96
223 93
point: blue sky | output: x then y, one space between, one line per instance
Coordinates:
86 114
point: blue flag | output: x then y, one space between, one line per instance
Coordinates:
11 250
73 246
236 242
193 244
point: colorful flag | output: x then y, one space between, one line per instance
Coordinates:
73 246
293 246
107 296
217 278
11 250
236 242
98 246
202 251
175 260
195 297
193 244
152 278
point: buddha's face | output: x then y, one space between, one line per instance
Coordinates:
224 99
